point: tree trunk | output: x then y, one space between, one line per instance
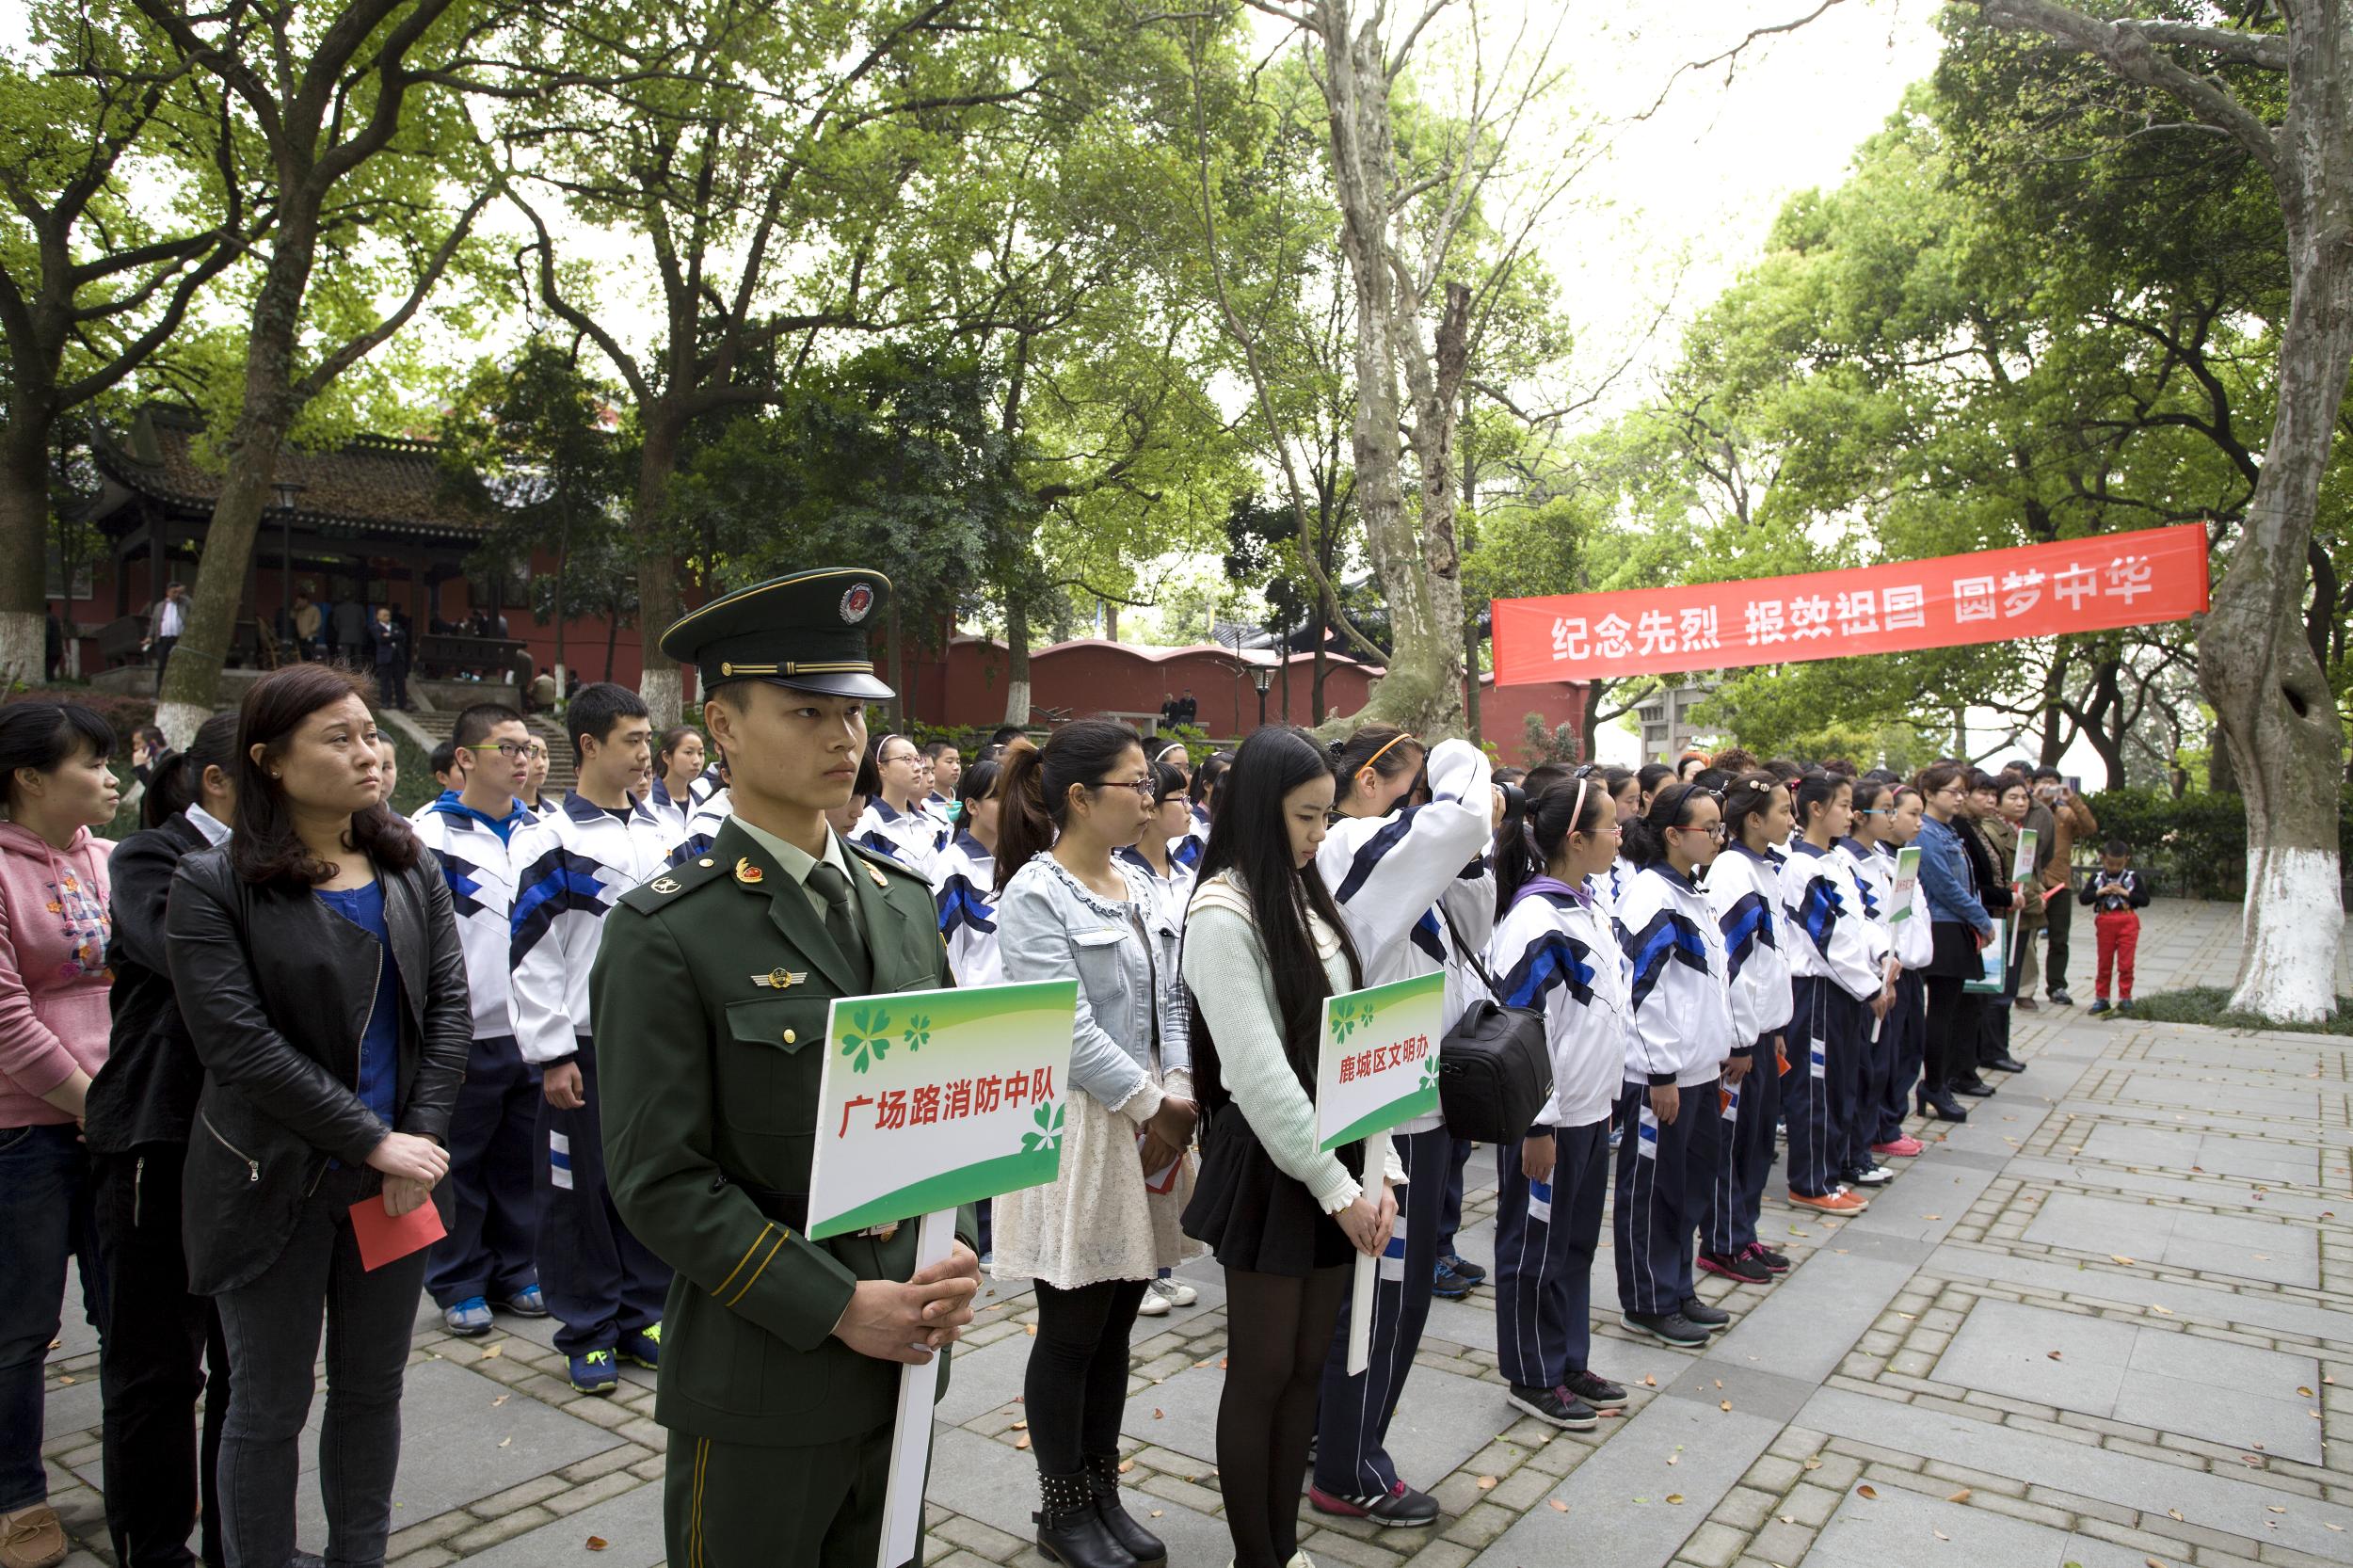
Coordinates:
2270 696
662 680
897 668
1414 559
1016 659
24 547
612 640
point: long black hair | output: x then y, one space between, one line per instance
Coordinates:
1565 805
175 780
1036 787
1206 777
1814 791
266 850
45 736
1249 837
972 787
1645 840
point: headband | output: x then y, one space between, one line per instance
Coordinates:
1383 752
1174 745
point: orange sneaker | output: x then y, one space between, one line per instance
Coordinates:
1832 1203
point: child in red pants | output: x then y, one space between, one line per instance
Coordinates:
2118 893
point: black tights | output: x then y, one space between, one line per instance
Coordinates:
1278 1331
1076 1385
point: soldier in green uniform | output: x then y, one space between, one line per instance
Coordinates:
782 1356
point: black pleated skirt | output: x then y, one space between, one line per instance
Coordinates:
1252 1215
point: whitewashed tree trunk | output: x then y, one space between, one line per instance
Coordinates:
24 648
2271 700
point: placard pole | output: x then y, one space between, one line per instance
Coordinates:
1368 1269
911 1434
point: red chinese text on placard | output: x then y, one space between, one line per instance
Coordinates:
930 1104
2110 580
1382 1059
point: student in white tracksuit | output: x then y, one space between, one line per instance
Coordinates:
1915 945
604 1288
895 823
1835 962
1389 871
1876 875
1744 891
1556 952
1678 1054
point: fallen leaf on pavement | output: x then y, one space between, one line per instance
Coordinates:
2162 1311
598 1543
503 1441
1022 1441
490 1351
1724 1404
1960 1496
1556 1505
1032 1328
1674 1459
2053 1355
1942 1536
1674 1496
2175 1513
499 1400
1649 1382
1486 1483
1157 1413
1157 1511
1812 1464
1021 1426
2118 1257
1125 1465
2306 1392
1866 1492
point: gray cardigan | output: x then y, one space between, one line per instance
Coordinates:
1050 926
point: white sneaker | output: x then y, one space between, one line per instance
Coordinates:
1878 1176
1153 1306
1169 1293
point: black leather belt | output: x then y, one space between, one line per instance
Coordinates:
790 1209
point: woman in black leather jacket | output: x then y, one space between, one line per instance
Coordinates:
158 1341
317 964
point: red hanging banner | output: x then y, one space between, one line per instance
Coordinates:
1995 596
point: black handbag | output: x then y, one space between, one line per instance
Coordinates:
1495 1065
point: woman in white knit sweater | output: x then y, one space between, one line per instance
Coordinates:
1264 946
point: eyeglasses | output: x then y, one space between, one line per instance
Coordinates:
1714 830
1148 787
513 751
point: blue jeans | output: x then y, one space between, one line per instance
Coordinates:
45 1220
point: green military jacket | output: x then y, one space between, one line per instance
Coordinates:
708 1081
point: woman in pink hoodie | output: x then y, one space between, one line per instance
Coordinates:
53 1024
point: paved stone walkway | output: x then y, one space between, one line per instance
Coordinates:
2107 1324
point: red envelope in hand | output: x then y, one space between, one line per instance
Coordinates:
383 1238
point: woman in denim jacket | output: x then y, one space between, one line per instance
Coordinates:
1093 1237
1961 927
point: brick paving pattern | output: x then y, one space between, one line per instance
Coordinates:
2106 1323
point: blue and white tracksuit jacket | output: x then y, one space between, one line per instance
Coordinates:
569 869
1830 931
1557 953
915 838
479 866
1875 874
1744 891
703 823
1680 991
1609 886
964 889
1388 875
1187 848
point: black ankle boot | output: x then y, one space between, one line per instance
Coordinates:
1141 1543
1070 1529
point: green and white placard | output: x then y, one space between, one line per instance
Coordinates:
933 1099
930 1100
1907 877
1379 1063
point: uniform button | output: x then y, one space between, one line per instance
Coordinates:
791 1038
706 861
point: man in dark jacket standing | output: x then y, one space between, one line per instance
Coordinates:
389 639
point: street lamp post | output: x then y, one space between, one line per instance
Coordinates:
1262 677
287 492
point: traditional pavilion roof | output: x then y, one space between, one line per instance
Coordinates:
374 484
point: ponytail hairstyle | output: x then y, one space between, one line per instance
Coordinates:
1565 805
1388 751
1250 838
1868 793
1207 777
1815 791
1615 779
1750 796
175 780
1646 842
1035 787
1168 782
1653 777
973 788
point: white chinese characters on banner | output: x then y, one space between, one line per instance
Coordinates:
1699 628
1568 638
1765 622
2129 577
1809 617
1905 608
1654 632
1858 612
1973 600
